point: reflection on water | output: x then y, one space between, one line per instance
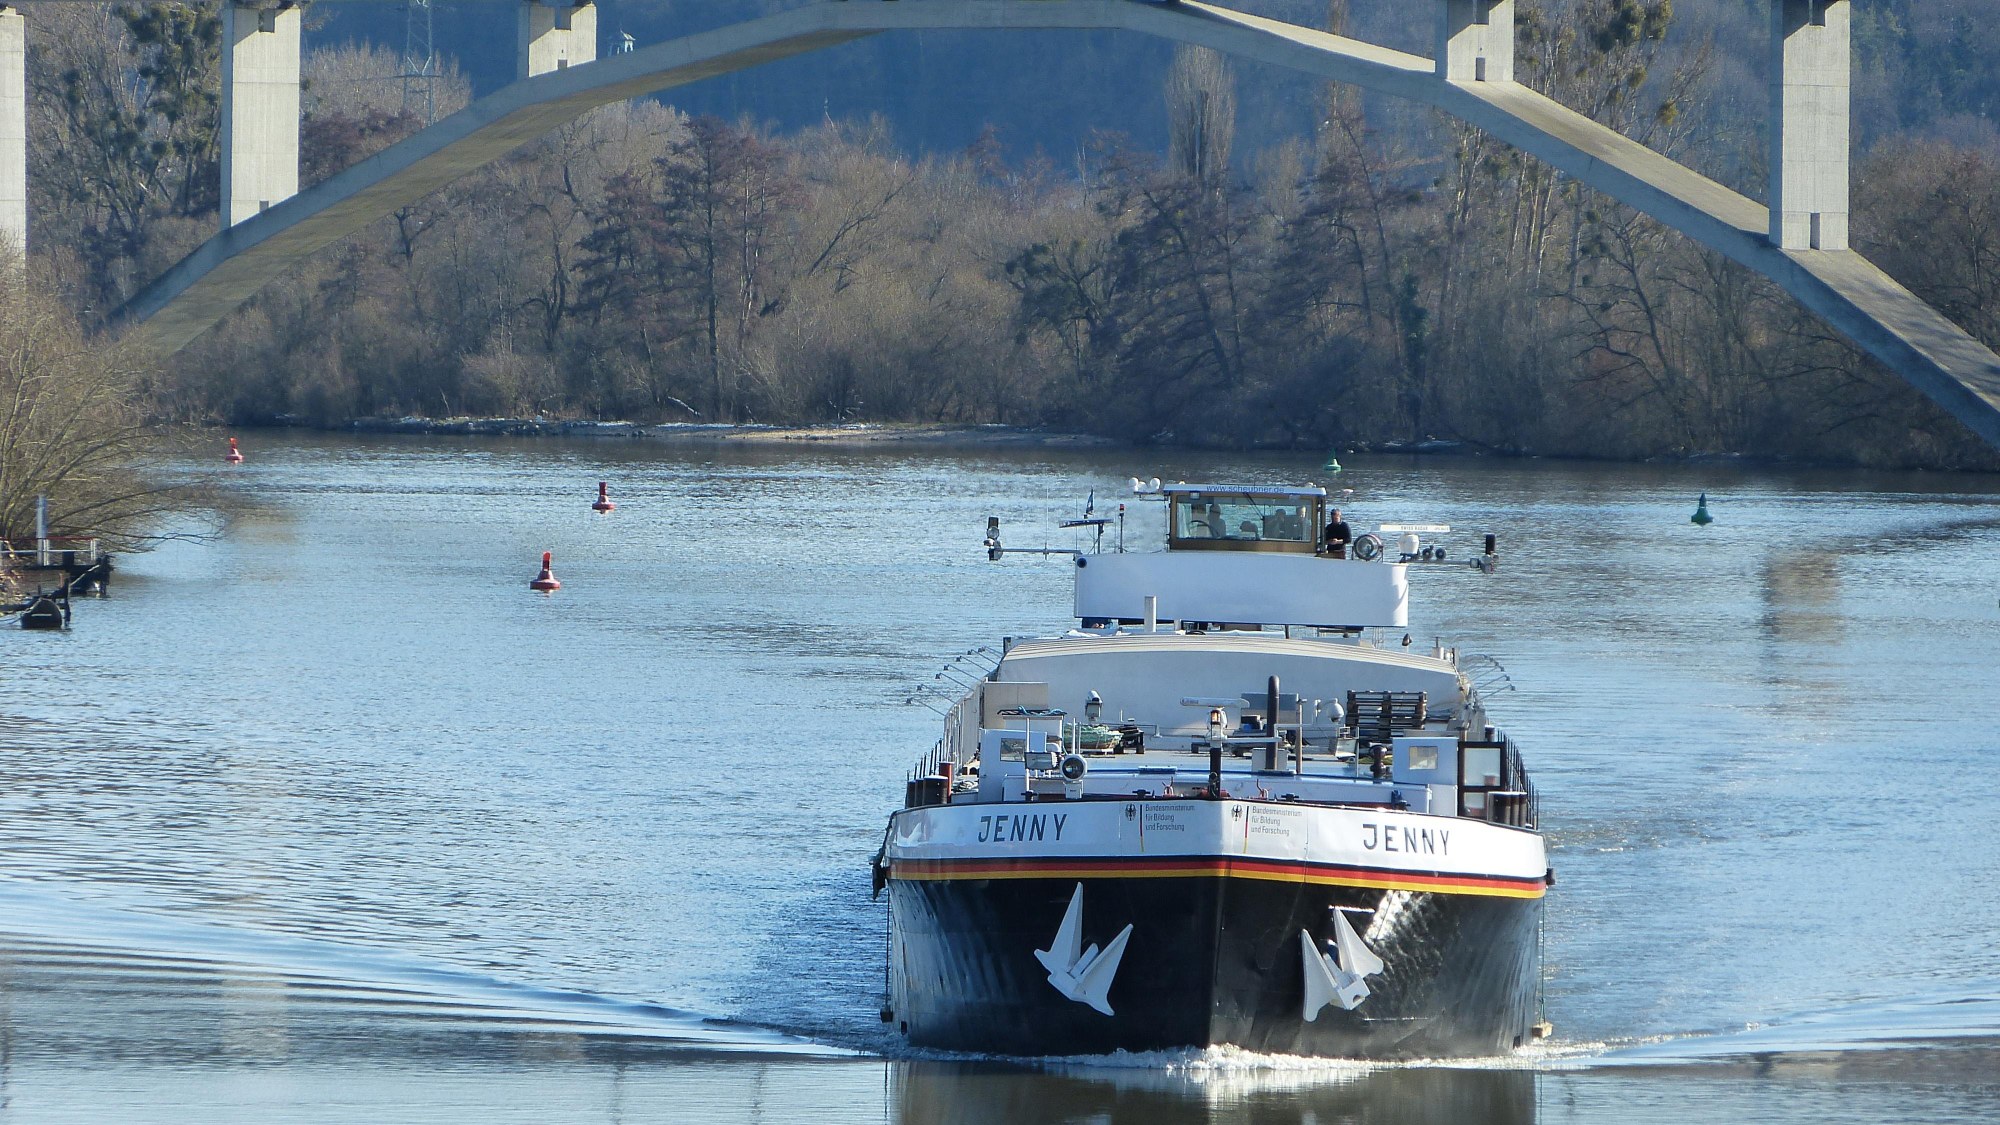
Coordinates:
330 819
96 1033
992 1095
1801 598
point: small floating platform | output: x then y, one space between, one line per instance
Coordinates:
45 612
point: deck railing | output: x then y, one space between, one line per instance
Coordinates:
947 749
52 551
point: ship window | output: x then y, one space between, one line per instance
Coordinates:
1423 757
1285 519
1014 749
1482 765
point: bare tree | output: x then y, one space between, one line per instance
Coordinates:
124 105
356 79
1201 115
71 426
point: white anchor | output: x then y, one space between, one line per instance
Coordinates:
1083 976
1331 982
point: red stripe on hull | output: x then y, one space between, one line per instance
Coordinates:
1199 867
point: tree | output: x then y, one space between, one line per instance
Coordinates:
634 291
1177 307
71 426
1201 115
1067 289
127 108
721 197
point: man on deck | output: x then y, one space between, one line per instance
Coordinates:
1338 536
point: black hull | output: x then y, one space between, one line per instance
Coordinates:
1211 960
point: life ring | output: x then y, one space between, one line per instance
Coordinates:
1368 548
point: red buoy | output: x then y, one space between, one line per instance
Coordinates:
546 580
235 455
604 503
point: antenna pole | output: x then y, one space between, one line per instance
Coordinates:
419 57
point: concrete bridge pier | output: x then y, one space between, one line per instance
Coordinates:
555 35
1476 41
1811 52
13 133
260 106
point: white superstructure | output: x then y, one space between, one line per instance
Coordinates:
1241 646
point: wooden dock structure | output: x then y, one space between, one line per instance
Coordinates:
76 566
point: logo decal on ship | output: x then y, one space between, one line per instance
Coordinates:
1083 976
1330 981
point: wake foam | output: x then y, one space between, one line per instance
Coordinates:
57 927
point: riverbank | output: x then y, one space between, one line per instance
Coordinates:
857 433
970 436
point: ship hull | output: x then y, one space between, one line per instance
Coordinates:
1220 963
1214 956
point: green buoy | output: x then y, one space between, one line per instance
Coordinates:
1332 464
1701 518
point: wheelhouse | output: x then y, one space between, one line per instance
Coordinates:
1228 518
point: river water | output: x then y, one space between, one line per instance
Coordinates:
325 816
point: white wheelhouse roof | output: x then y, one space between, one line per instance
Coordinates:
1240 490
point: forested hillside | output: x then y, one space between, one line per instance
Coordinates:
1082 231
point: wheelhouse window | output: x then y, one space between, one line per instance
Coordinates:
1244 521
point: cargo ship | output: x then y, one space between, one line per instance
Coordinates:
1230 806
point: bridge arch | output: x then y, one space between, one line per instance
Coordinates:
1840 286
